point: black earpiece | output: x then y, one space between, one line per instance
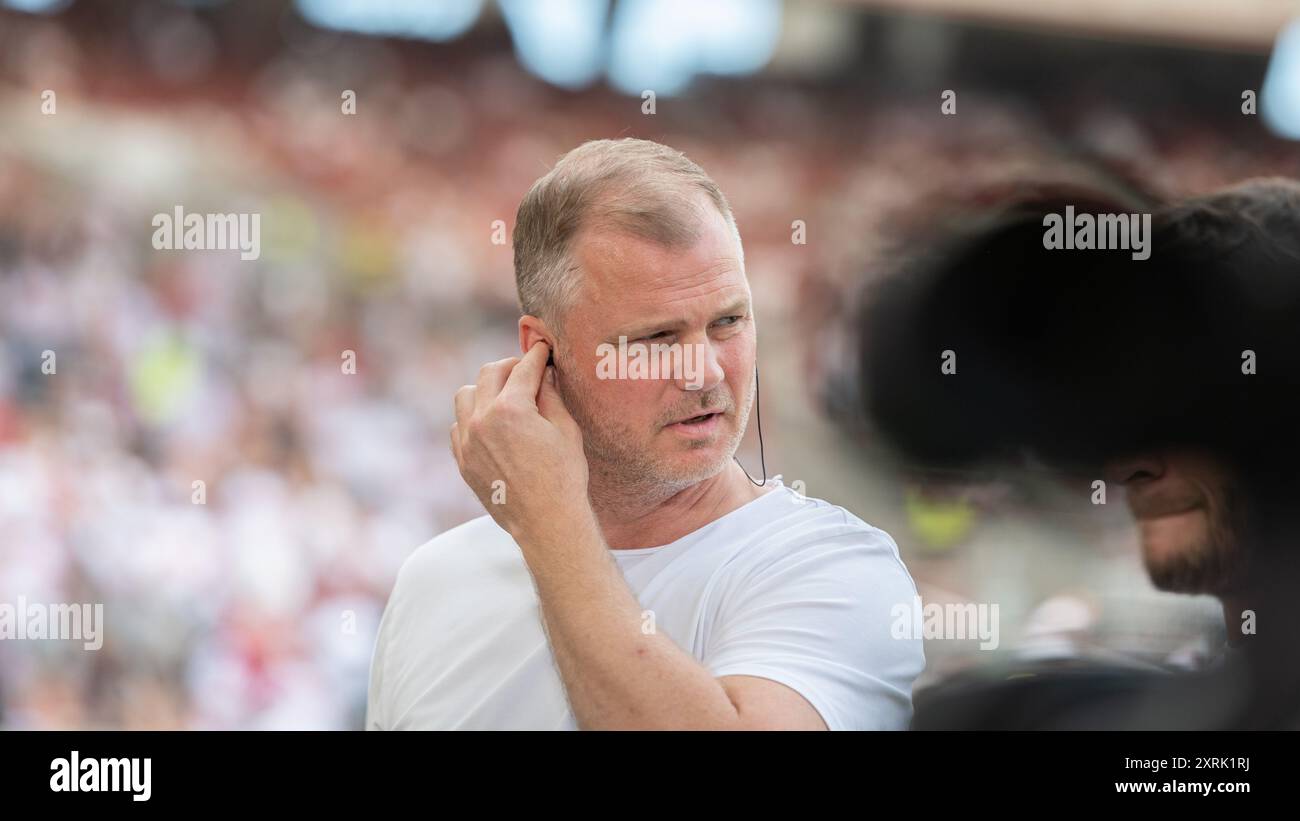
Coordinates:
758 413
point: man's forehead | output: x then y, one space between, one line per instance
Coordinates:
683 288
621 268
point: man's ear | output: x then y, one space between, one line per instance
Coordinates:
531 330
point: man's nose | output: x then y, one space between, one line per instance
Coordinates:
1134 469
701 369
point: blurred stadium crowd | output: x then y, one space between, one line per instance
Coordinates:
257 607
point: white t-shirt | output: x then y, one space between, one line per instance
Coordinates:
785 587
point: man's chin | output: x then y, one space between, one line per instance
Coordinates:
696 464
1173 550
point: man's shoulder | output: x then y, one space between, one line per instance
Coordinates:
810 522
480 539
810 537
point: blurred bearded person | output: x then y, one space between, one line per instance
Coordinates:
1190 517
1175 374
1213 497
629 573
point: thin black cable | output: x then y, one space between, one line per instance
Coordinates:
758 413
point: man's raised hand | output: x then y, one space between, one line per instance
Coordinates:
518 448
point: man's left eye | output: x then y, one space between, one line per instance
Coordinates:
731 320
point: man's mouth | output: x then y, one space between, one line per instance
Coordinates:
1154 504
697 424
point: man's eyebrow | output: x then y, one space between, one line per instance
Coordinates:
739 306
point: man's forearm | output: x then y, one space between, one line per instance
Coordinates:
616 675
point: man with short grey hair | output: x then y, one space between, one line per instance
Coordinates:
629 574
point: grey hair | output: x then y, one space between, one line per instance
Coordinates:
635 186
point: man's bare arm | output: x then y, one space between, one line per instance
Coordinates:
619 676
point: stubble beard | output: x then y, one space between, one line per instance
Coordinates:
1215 564
620 458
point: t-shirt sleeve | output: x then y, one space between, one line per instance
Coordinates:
818 620
376 697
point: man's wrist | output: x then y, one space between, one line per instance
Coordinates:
559 534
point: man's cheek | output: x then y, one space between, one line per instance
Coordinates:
1167 536
630 403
